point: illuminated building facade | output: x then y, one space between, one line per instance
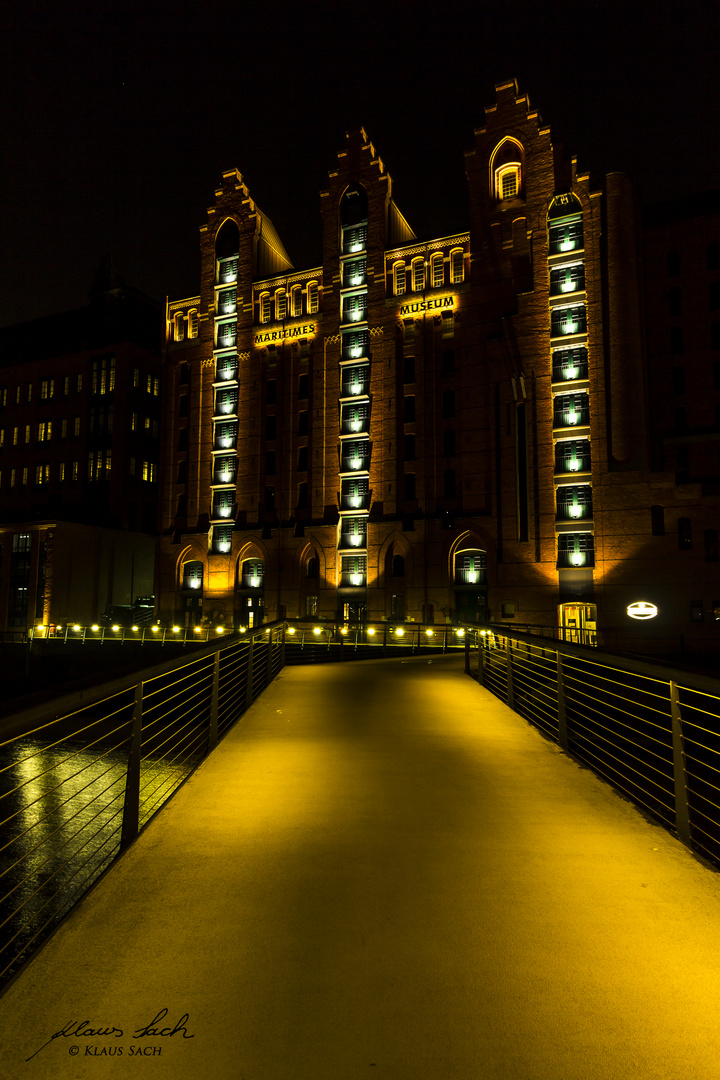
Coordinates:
79 456
453 429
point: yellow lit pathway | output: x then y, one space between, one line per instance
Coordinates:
384 873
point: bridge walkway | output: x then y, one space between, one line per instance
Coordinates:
383 872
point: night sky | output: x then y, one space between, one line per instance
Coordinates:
119 117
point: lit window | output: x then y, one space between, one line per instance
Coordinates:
179 334
437 271
456 266
2 436
133 421
27 433
29 392
42 474
399 278
61 471
156 386
192 323
148 471
507 182
135 377
418 275
79 383
76 426
47 389
280 305
13 475
149 384
25 476
296 301
312 295
75 470
16 436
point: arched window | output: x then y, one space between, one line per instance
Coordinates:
456 266
507 170
179 332
312 297
354 206
398 566
296 301
418 275
437 271
192 575
280 305
227 246
399 278
253 571
312 568
265 307
192 323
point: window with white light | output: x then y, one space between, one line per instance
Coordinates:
506 170
437 271
399 278
418 275
312 298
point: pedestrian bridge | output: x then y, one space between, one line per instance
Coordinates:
383 871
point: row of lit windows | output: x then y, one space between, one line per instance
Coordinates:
143 423
47 390
281 303
43 431
435 272
42 474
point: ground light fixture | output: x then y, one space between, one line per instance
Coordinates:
371 632
94 628
429 633
399 631
134 629
219 629
460 633
316 629
115 629
176 629
198 629
343 629
155 629
291 629
77 628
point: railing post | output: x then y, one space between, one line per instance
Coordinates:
268 670
282 646
131 808
682 813
213 732
510 685
562 718
481 666
248 688
467 654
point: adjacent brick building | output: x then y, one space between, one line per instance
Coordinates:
79 457
442 430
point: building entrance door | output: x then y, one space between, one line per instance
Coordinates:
578 623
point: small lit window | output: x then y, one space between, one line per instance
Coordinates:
399 278
312 294
437 271
192 323
418 275
280 305
456 266
296 301
179 334
265 307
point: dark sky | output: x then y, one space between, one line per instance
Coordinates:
118 117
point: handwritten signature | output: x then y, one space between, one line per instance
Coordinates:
79 1029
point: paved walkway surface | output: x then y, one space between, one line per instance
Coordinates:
383 873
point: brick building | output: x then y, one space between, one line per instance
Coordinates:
439 430
79 455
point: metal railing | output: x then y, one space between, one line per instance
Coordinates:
313 642
652 731
77 785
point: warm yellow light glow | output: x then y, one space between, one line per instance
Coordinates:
198 629
58 627
316 629
219 629
76 628
429 633
95 628
371 632
155 629
343 630
642 609
115 629
135 629
460 633
291 629
399 631
176 629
